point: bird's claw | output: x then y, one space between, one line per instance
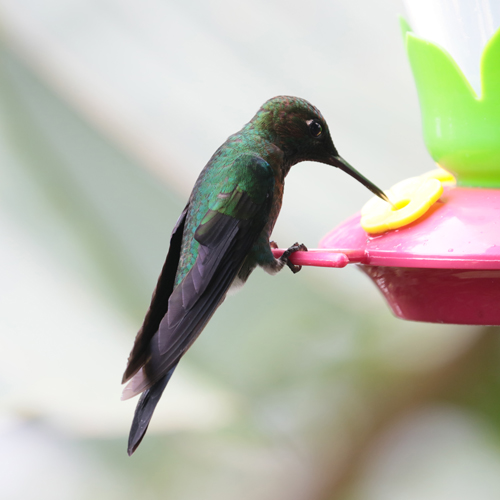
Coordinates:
296 247
273 245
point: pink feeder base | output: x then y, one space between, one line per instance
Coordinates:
443 268
458 296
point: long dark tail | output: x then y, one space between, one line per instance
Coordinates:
144 411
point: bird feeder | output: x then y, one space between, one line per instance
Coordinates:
435 256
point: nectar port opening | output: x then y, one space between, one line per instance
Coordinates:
398 205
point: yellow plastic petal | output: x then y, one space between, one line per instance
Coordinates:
411 197
441 175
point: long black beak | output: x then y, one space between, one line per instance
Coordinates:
338 161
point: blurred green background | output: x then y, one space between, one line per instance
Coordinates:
302 387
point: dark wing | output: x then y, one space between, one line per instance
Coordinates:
225 235
159 302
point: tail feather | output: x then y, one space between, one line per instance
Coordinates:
137 384
144 411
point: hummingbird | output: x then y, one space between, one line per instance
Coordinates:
221 236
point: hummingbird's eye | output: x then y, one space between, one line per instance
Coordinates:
315 128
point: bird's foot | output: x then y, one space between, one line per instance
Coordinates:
273 245
294 248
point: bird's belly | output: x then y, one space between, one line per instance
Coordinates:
236 285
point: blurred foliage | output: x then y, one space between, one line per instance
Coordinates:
300 385
67 172
478 382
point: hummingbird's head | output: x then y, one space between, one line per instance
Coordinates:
300 131
297 128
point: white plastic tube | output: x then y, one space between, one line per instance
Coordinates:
462 27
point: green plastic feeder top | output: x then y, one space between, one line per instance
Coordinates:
461 128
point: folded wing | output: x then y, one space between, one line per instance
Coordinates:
235 218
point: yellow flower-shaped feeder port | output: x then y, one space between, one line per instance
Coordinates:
441 175
411 198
